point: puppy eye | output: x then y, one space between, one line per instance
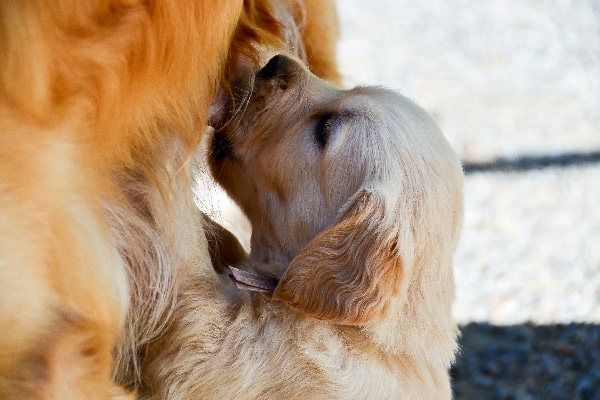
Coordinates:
323 129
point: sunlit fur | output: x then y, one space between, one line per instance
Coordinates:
97 100
360 232
308 29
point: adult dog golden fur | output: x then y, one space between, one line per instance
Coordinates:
102 105
355 199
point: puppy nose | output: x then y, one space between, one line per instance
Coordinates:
277 66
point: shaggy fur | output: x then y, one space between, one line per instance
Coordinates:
355 199
102 105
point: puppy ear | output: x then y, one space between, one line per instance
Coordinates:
347 273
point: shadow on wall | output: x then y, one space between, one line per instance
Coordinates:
528 361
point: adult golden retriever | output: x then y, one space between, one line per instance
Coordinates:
102 105
355 199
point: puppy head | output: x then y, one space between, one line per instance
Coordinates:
347 191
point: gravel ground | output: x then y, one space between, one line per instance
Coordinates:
515 86
528 362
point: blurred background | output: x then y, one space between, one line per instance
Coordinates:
515 86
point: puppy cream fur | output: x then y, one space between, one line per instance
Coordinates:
355 199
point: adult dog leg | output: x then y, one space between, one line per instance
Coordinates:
63 291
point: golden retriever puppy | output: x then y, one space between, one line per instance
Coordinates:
355 199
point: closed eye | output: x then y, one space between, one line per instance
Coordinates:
324 126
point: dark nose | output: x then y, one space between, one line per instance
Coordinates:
277 66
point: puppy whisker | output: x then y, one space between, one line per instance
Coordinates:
240 106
